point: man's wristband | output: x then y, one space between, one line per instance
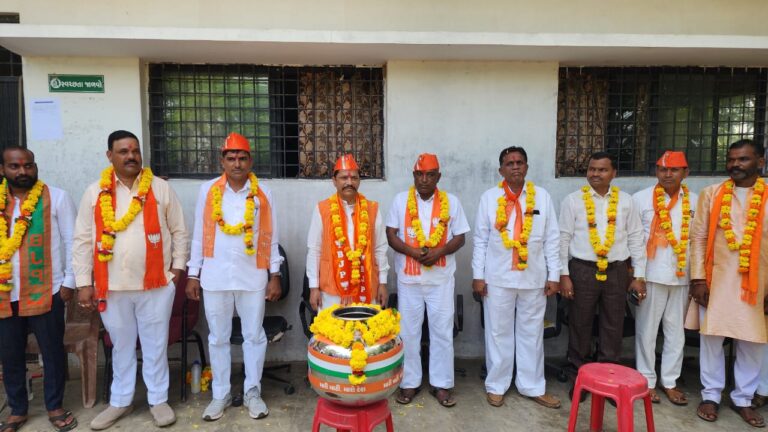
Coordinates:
193 277
641 279
271 275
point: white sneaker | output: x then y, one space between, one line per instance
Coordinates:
215 409
257 409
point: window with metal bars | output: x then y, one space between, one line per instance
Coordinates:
297 119
637 113
12 128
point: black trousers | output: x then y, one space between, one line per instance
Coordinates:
590 294
49 331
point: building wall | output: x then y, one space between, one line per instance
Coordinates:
466 112
744 17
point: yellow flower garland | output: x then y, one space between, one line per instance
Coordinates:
112 226
501 224
601 248
679 247
362 239
439 231
246 227
356 334
753 211
9 245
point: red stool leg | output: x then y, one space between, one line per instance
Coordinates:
649 414
596 415
391 426
575 400
625 415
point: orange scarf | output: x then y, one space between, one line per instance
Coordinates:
264 241
154 273
513 202
657 238
749 279
413 267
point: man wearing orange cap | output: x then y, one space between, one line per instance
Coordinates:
515 266
666 211
425 227
347 245
130 245
235 259
728 280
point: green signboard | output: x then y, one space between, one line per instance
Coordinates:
75 83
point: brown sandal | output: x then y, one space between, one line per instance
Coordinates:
705 412
654 396
406 395
759 400
443 396
675 395
749 415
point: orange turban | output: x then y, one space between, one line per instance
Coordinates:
346 162
672 159
426 162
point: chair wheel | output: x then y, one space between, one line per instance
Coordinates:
289 390
483 372
562 377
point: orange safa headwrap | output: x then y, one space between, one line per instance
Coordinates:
672 159
426 162
346 162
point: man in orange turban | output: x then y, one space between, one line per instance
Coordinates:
347 245
666 211
425 227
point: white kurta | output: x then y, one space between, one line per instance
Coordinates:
231 281
515 304
432 290
667 298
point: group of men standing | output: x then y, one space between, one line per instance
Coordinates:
127 247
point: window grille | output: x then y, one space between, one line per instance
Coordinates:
636 114
298 119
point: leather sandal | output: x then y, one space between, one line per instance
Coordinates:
654 396
759 400
63 418
494 399
546 400
675 395
711 414
750 416
406 395
443 396
14 426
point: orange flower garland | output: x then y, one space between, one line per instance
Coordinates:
679 247
749 228
601 248
360 244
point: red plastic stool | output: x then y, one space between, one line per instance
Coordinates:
355 419
622 384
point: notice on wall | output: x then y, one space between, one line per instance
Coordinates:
45 120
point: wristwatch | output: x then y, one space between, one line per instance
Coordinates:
271 275
641 279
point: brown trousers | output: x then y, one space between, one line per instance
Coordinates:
589 295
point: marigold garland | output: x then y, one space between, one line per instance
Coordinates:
112 226
520 244
356 335
362 241
749 228
9 245
680 247
601 248
245 227
439 230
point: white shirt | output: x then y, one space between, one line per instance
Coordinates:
492 261
315 243
574 231
457 225
663 268
63 214
230 268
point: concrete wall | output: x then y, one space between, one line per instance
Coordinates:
744 17
464 112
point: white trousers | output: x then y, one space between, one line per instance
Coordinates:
514 331
412 300
664 304
146 314
219 310
746 373
762 386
